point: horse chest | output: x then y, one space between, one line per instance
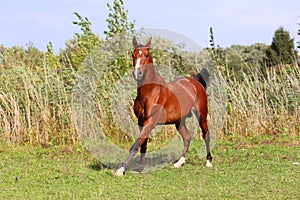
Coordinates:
144 102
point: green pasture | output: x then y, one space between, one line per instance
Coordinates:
266 170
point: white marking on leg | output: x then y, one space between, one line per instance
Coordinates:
120 171
208 163
137 66
180 162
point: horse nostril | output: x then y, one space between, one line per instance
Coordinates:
137 74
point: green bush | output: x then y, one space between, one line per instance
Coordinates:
282 50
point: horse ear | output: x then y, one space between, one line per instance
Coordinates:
149 43
134 42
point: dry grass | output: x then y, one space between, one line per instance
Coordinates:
264 104
36 105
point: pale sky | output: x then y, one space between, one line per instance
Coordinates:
242 22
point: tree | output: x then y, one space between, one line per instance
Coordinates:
299 35
82 44
281 50
117 19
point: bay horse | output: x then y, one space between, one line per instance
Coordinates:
159 102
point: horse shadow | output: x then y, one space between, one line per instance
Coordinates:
153 161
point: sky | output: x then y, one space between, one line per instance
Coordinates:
243 22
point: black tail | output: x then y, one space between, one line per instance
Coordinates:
203 77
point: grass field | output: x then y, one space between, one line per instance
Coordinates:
267 170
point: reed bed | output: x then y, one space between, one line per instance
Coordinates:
264 103
36 104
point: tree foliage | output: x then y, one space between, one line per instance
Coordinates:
238 59
299 35
17 56
117 19
82 44
243 59
281 50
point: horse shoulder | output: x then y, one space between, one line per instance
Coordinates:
138 108
147 96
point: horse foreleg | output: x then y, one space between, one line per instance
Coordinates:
141 141
133 150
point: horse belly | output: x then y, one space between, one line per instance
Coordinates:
174 112
180 104
173 117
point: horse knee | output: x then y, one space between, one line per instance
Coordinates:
134 148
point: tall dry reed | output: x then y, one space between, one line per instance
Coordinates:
266 103
36 104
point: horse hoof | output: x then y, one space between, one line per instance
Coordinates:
180 162
139 169
208 163
120 171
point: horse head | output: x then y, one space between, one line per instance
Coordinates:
142 59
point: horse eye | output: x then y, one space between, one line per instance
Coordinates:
147 55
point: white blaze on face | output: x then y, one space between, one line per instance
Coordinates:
137 66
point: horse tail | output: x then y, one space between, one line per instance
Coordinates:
203 77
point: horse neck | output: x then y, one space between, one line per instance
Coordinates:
151 77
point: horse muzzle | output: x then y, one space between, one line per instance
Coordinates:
137 74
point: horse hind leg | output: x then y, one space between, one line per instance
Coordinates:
143 151
206 136
181 127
